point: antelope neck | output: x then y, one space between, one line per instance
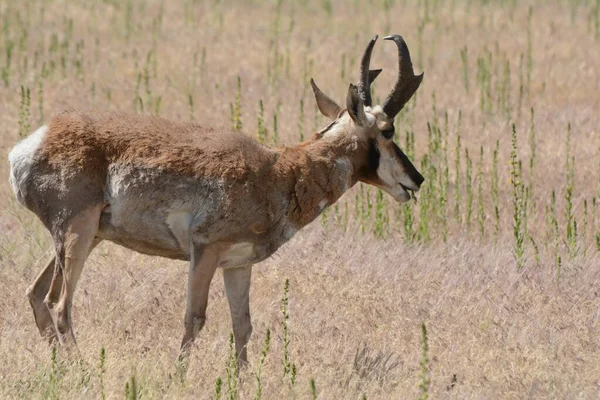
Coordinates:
318 173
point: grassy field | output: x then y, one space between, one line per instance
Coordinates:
499 259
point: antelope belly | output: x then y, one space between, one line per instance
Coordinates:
238 254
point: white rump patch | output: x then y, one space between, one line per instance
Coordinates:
21 159
179 223
237 254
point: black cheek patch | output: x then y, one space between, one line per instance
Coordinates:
374 156
368 171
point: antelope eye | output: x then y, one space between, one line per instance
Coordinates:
388 133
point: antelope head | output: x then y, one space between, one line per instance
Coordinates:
378 160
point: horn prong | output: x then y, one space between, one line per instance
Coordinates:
373 74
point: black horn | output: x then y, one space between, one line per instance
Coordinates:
407 82
364 83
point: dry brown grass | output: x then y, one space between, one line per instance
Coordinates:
356 302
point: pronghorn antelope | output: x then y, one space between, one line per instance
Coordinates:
186 192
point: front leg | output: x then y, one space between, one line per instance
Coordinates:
203 263
237 288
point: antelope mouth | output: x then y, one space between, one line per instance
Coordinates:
411 192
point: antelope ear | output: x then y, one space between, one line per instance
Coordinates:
355 106
328 107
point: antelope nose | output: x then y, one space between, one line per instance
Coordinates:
418 179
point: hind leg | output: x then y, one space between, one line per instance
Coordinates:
73 245
36 293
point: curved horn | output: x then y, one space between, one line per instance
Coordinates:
364 83
407 82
